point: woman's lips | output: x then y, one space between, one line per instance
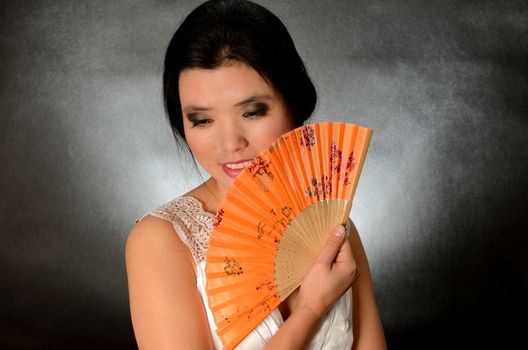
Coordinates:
233 169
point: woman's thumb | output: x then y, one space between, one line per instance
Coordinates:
333 245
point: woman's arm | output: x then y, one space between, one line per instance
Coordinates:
368 330
167 311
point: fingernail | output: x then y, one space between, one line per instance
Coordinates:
339 231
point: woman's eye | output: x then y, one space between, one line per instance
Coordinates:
200 122
256 112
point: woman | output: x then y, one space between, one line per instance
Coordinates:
233 83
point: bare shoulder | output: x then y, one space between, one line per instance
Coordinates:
154 233
154 244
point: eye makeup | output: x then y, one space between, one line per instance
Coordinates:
196 120
254 109
258 109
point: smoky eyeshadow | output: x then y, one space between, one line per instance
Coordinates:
260 108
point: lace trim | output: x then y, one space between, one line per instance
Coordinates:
191 222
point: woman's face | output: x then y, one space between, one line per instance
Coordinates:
230 114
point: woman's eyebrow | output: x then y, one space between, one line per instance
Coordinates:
192 108
252 99
255 98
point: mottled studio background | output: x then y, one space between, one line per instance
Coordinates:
441 205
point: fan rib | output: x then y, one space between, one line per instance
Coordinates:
306 187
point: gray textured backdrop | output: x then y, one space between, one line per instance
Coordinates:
441 206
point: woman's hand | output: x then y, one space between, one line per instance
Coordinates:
332 274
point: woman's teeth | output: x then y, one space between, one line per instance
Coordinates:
238 166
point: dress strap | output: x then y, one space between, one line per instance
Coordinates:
192 223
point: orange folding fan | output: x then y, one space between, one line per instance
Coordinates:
275 220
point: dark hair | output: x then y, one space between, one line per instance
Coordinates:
221 30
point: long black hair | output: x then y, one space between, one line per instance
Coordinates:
218 31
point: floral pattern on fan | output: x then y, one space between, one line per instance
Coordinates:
232 267
319 188
260 167
335 159
218 217
351 164
277 226
307 136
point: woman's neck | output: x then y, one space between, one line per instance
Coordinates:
209 194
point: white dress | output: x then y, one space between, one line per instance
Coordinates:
193 225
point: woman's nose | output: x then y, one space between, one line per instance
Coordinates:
232 138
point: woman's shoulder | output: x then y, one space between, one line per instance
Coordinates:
153 244
179 221
151 233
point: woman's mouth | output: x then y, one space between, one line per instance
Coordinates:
233 169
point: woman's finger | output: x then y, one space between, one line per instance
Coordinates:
333 245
